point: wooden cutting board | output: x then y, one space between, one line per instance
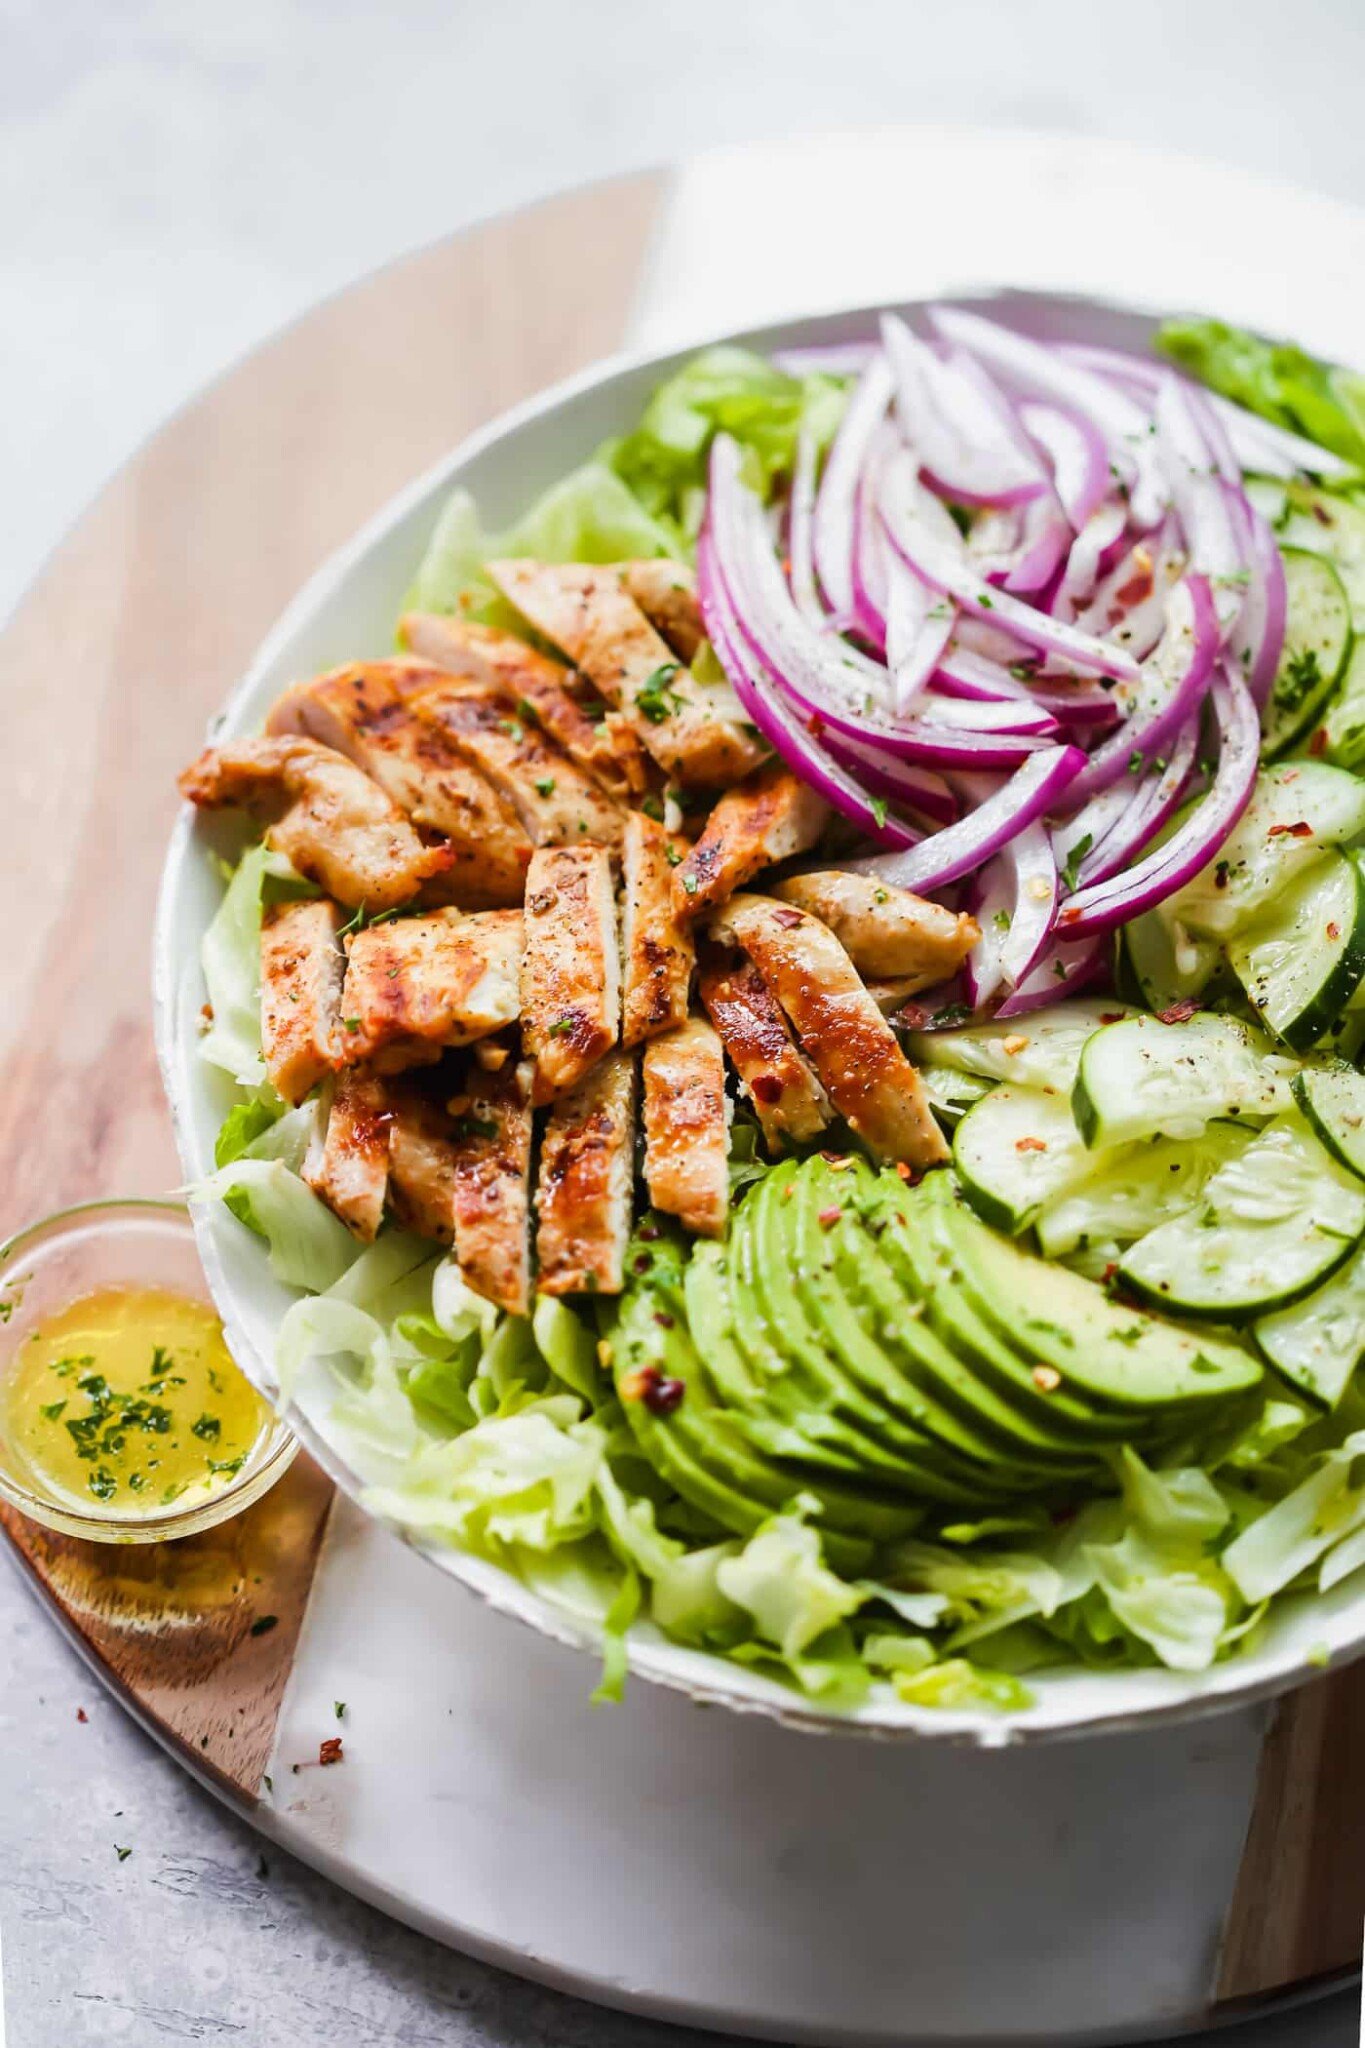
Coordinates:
132 636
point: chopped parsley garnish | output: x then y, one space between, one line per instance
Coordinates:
1072 866
654 700
545 785
208 1428
1299 677
561 1027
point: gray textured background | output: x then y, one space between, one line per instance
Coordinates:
175 181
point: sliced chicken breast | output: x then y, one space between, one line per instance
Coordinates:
360 711
773 1073
768 818
556 802
887 932
534 685
422 983
302 965
492 1124
695 731
424 1156
583 1199
571 968
687 1126
666 593
326 816
349 1168
847 1040
657 954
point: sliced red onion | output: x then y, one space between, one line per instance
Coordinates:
837 498
1031 791
1087 558
1076 451
1044 542
1212 527
961 428
985 714
1170 691
1193 845
783 732
936 563
919 623
800 534
870 572
1258 642
1034 887
1034 370
825 358
1062 971
991 901
963 672
1151 804
900 781
1259 445
1079 835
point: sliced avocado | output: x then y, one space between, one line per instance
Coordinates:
838 1271
694 1442
904 1320
915 1243
1121 1357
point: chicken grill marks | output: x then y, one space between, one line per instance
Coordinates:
475 801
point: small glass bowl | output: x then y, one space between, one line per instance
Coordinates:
75 1252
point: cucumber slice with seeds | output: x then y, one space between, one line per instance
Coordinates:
1333 1100
1319 1343
1145 1079
1302 960
1018 1149
1274 1224
1041 1050
1317 646
1136 1188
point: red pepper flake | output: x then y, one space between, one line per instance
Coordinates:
81 1714
789 919
1300 829
1178 1013
1136 589
1046 1378
329 1750
1321 514
914 1016
815 725
1318 743
1334 930
1030 1144
1111 1016
828 1217
903 1170
660 1394
1069 914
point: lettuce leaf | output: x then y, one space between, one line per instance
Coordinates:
1275 379
230 955
306 1245
781 1579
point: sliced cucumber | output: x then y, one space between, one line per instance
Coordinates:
1018 1149
1297 808
1303 958
1326 524
1166 961
1317 646
1342 724
1333 1100
1135 1188
1269 495
1318 1344
952 1094
1144 1079
1274 1224
1039 1051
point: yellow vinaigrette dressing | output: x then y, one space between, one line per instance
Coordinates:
128 1400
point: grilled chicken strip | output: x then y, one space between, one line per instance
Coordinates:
360 712
492 1200
766 819
335 824
886 932
349 1168
666 593
530 683
849 1043
556 802
657 954
695 731
423 1161
423 983
773 1072
302 965
583 1200
687 1127
571 969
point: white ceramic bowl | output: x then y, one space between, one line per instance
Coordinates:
346 612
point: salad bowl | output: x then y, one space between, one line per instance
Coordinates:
346 612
